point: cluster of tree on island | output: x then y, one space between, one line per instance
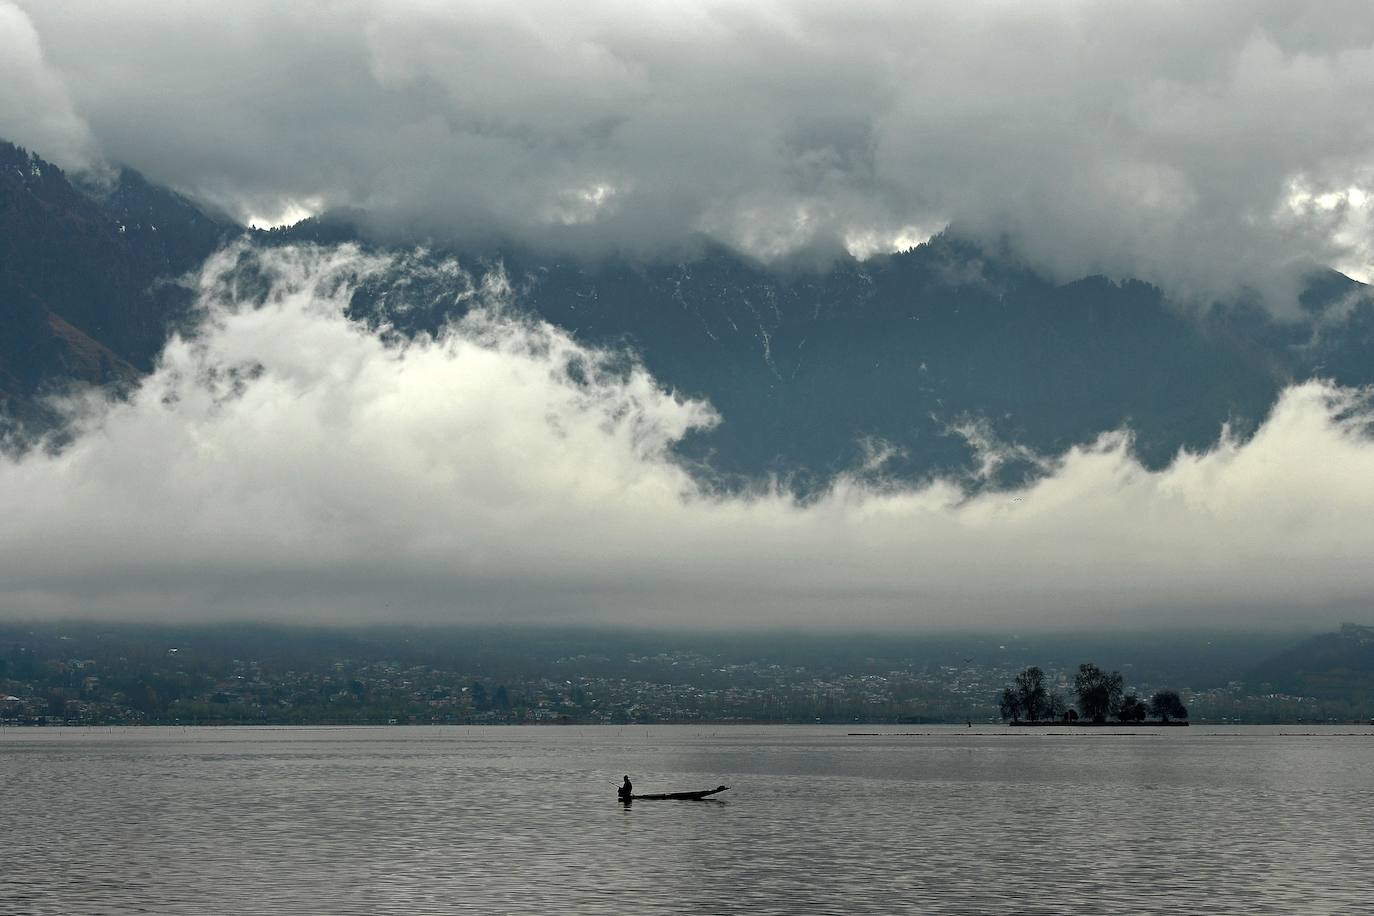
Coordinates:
1101 694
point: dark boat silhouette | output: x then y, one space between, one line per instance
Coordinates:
676 796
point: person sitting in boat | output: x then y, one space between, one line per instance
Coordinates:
625 790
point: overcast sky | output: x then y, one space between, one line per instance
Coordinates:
288 465
1200 146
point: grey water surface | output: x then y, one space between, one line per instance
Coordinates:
525 820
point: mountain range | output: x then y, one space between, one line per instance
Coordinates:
1328 666
907 365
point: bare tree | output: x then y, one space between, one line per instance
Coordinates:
1030 691
1009 704
1055 707
1132 709
1166 704
1099 693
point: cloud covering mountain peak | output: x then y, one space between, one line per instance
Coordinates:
1214 150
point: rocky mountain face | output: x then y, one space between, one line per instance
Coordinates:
83 296
926 362
909 365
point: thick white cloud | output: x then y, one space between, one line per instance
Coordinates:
288 464
35 109
1167 141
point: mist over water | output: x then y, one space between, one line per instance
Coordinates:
502 820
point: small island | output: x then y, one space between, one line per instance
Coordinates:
1102 702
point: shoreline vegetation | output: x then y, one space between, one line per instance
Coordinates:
1088 723
1103 701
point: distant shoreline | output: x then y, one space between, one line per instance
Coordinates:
1059 723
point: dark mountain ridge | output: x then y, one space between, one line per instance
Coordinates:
1328 666
924 359
80 270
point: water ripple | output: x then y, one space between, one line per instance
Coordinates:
524 821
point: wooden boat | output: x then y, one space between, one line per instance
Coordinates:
677 796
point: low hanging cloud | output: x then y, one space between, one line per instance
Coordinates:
35 108
285 463
1209 148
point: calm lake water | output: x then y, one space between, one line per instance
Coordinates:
524 820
